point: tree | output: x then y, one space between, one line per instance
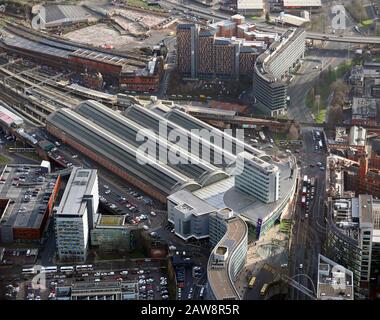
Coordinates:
267 17
293 132
341 90
335 115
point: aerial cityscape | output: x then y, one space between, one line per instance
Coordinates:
189 150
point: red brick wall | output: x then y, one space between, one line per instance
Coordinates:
107 164
36 233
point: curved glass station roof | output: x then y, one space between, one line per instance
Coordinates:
113 136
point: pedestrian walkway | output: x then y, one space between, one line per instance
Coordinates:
272 243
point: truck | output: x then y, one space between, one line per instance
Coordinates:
304 190
262 135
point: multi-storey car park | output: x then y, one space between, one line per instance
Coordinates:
27 196
129 71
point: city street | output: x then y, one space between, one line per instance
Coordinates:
308 232
330 56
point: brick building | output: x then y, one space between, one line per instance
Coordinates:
225 49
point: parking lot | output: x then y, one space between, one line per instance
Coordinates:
116 197
151 279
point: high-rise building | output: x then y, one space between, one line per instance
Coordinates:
187 41
247 60
206 53
272 67
226 53
257 178
353 237
76 214
225 49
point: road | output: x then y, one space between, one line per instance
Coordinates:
210 13
332 56
169 66
308 232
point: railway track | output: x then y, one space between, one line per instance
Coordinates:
17 104
61 44
59 91
48 94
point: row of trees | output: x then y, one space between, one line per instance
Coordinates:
357 10
340 91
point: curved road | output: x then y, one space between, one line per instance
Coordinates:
212 14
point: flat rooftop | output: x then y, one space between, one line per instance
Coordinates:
334 281
65 13
80 184
218 277
264 61
110 221
258 162
250 4
302 3
224 194
193 204
126 64
346 216
9 118
363 108
28 192
350 214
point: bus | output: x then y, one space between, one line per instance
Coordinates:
84 267
201 292
264 289
29 271
51 269
67 269
251 282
